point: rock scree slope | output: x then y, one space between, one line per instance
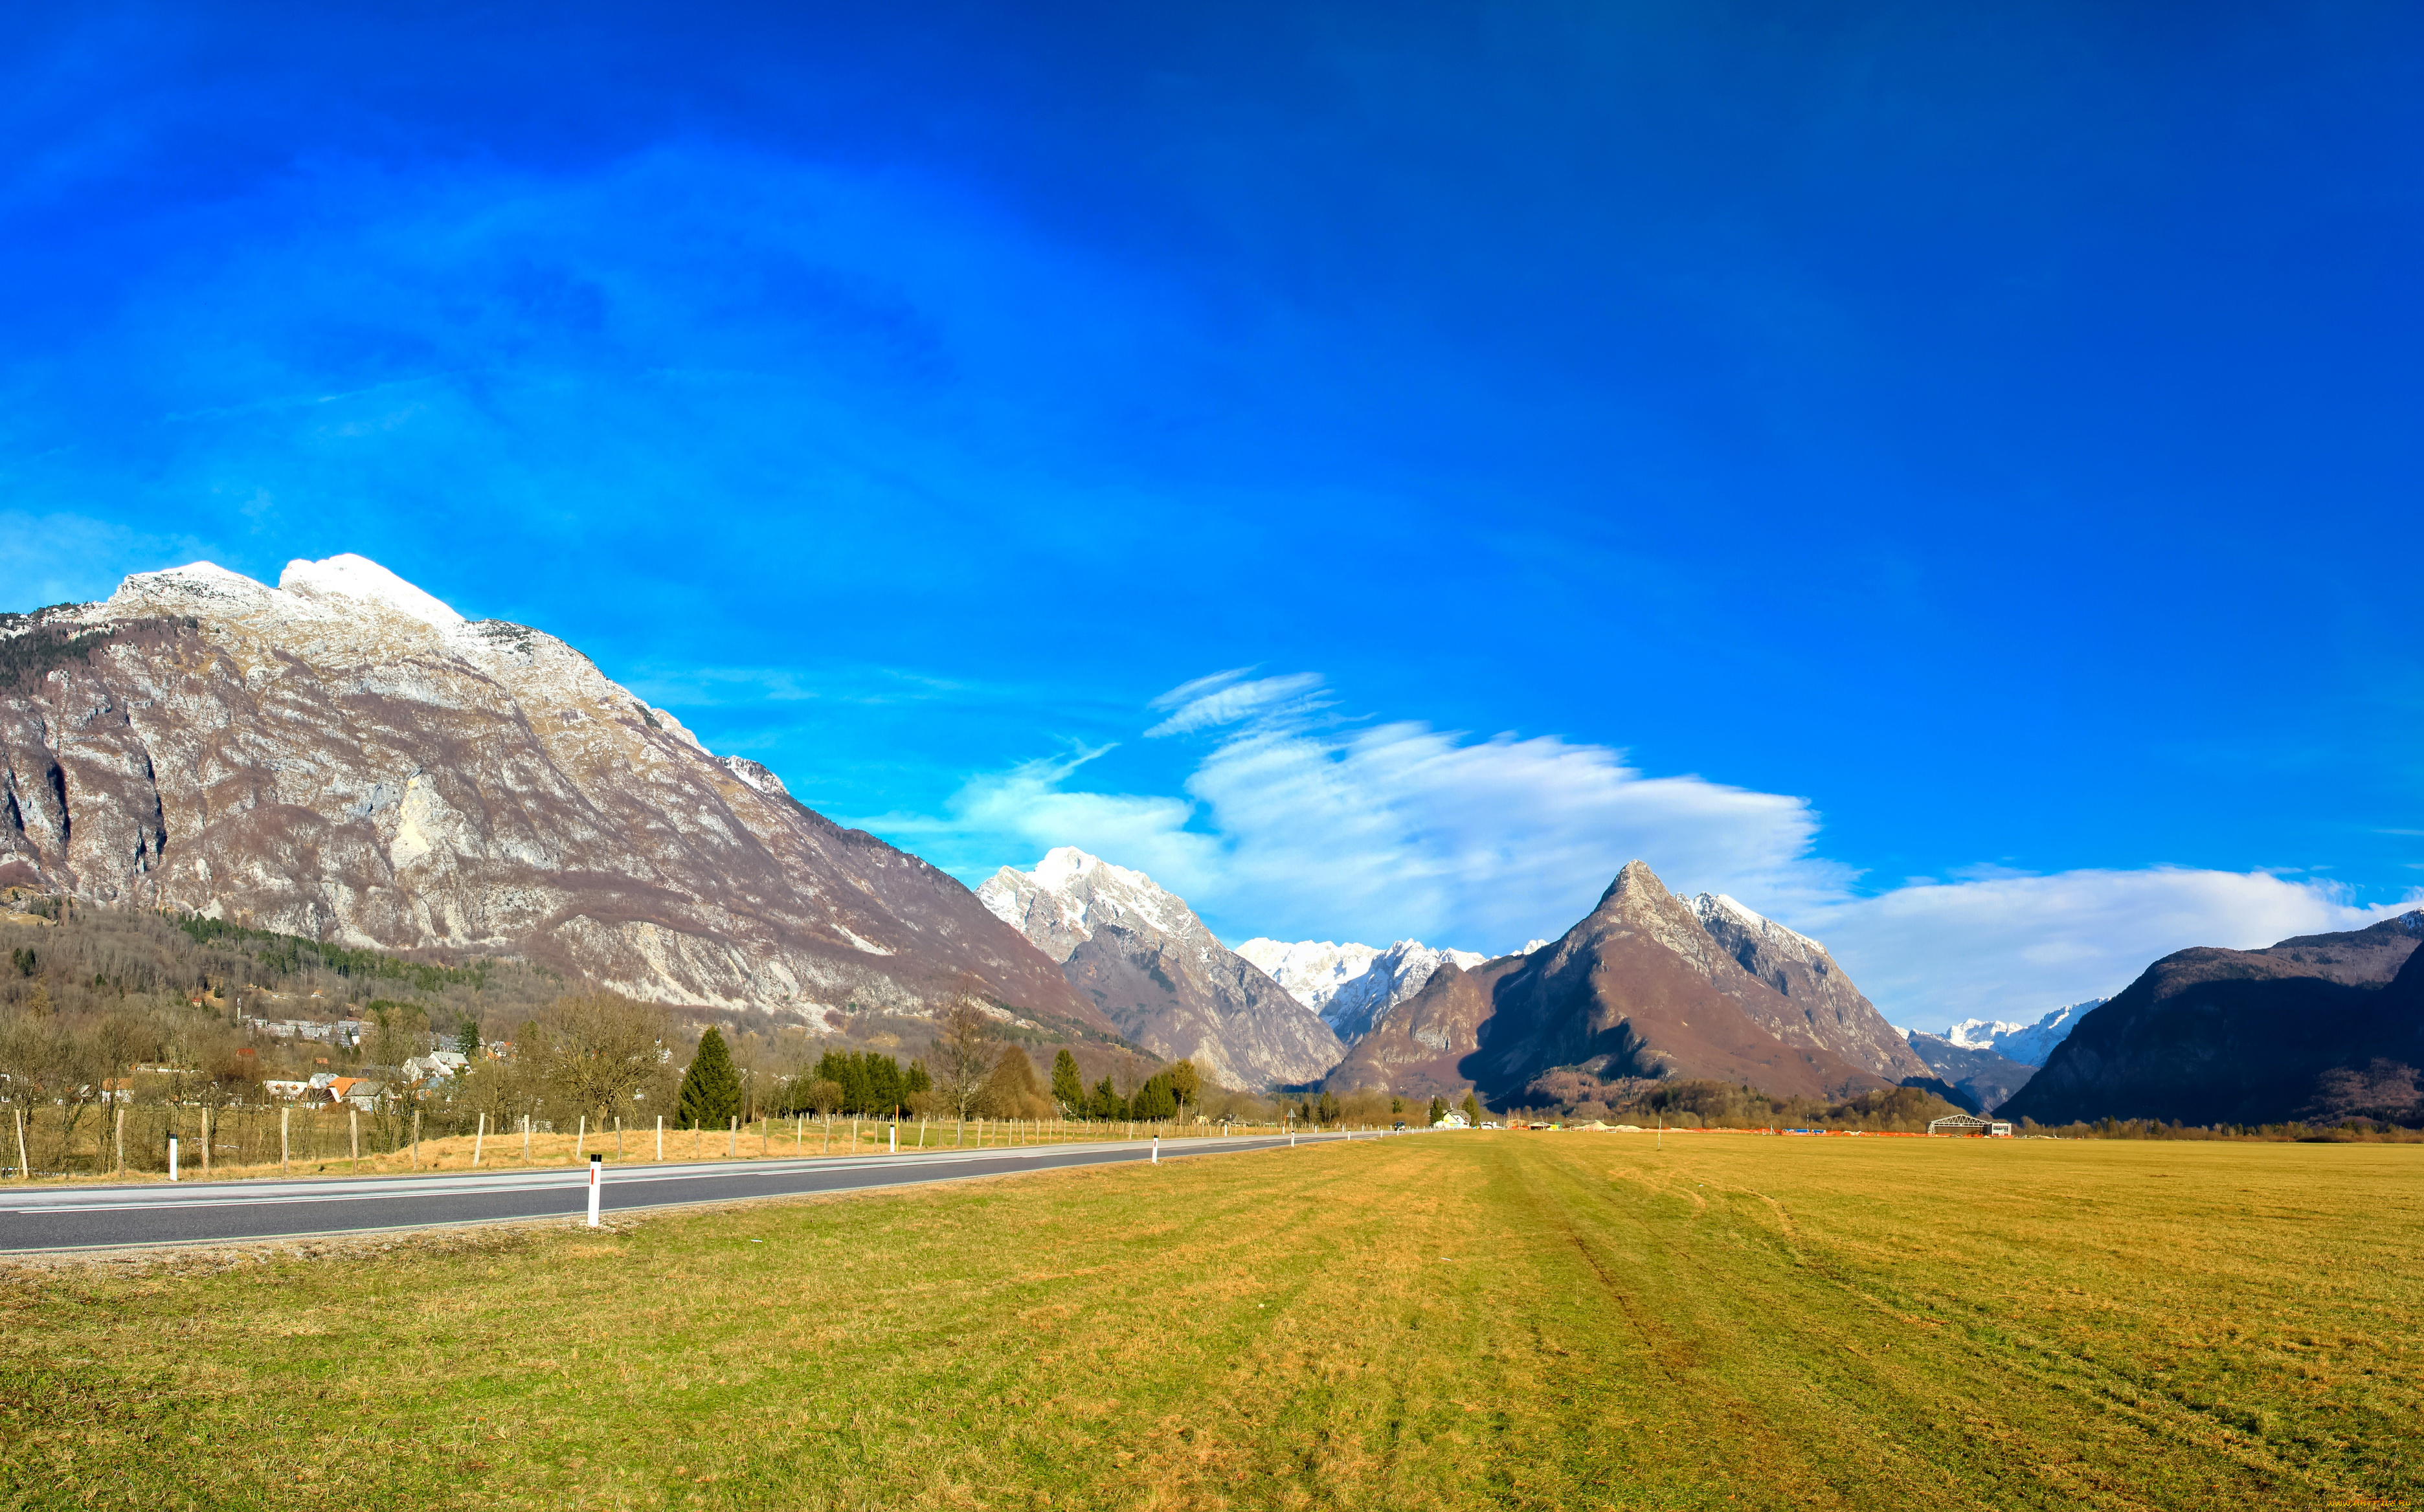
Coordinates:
346 758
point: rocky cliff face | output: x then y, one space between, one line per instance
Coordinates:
1639 989
2212 1036
346 758
1352 985
1141 957
1832 1014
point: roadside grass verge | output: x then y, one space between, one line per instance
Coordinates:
1477 1320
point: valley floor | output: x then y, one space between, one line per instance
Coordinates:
1566 1320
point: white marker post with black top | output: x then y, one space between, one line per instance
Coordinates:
597 1175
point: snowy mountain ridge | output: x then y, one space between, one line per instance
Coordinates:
1350 985
2028 1043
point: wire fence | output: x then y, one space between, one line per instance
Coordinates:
99 1141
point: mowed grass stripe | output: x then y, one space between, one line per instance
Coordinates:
1470 1321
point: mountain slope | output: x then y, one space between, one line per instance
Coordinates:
1834 1013
344 757
1982 1080
1352 985
2214 1036
1148 964
1639 989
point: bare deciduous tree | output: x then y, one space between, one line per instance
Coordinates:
962 1054
600 1048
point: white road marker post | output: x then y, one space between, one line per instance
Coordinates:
479 1138
1156 1150
660 1136
172 1157
596 1172
896 1138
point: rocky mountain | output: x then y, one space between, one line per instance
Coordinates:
1639 989
1834 1013
2028 1043
1143 960
1350 985
1981 1080
2314 1027
344 757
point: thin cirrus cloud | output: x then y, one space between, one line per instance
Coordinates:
1297 824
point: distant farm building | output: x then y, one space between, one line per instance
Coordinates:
1967 1124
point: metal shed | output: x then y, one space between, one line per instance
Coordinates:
1970 1123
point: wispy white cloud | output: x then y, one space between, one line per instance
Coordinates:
2013 946
1301 824
1222 699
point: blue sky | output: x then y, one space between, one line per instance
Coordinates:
1946 476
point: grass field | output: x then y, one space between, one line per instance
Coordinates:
1474 1320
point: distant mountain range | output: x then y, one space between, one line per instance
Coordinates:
1350 985
2317 1027
346 758
1143 961
2028 1043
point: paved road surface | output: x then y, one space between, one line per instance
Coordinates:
41 1217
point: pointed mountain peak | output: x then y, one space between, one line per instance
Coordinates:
1638 890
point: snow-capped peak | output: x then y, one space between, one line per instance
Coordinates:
1350 985
347 576
2028 1043
334 587
1060 903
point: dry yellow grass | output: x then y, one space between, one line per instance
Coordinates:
1479 1320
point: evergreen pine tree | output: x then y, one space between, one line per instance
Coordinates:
711 1089
916 1081
1473 1110
1068 1089
467 1040
1439 1109
884 1092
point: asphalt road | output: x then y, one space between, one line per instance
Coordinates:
37 1219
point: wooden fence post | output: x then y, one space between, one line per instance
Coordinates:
24 1167
354 1131
732 1135
479 1138
416 1139
121 1138
206 1139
